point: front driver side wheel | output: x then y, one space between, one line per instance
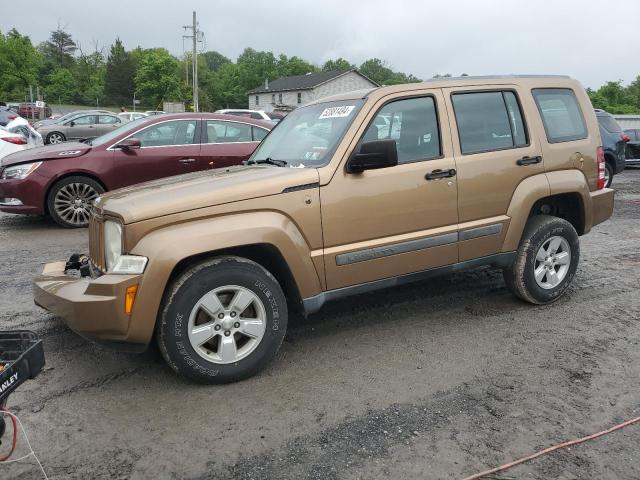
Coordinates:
70 199
222 320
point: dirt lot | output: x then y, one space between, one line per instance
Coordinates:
437 380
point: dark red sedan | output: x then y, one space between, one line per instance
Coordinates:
63 180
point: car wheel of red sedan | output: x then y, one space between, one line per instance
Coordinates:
70 201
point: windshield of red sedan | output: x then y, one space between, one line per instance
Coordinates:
308 136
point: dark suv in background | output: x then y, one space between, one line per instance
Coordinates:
633 147
613 143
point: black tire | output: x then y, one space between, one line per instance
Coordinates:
609 169
182 295
82 216
520 277
55 136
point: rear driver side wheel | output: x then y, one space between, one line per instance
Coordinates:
69 201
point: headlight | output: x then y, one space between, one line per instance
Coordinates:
116 262
18 172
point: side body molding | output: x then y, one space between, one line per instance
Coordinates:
166 247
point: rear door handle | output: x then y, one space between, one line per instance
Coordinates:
439 173
529 160
187 160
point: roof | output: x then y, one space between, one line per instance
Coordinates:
448 82
303 82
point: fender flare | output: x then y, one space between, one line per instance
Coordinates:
543 185
168 246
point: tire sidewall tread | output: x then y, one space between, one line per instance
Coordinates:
172 329
520 277
61 183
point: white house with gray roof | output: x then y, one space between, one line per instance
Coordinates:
287 93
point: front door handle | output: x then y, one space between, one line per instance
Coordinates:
529 160
187 160
439 173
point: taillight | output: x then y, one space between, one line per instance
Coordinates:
625 138
15 140
601 168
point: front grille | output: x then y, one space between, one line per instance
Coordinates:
96 242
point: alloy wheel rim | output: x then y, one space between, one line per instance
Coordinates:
55 138
552 262
607 177
227 324
73 202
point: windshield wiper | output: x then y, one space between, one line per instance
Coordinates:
268 160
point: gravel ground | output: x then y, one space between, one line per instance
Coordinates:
436 380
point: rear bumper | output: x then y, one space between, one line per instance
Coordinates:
93 308
601 205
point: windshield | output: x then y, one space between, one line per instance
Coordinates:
308 136
107 137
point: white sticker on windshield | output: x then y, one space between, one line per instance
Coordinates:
336 112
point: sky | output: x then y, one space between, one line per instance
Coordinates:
582 38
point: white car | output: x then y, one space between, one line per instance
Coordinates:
18 135
257 114
129 116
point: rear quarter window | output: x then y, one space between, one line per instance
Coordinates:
561 114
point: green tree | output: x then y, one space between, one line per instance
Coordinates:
337 64
158 78
287 67
61 86
214 60
378 71
19 65
119 75
58 51
89 74
615 98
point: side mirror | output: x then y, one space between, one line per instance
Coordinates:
373 155
129 144
72 123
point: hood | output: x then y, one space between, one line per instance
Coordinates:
201 189
47 152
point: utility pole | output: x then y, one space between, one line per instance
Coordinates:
195 33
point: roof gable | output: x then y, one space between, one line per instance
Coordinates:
303 82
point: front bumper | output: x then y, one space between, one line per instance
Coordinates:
93 308
28 191
601 205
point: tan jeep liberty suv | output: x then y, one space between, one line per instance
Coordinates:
356 192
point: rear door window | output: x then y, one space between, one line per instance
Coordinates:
108 119
228 132
488 121
561 115
259 133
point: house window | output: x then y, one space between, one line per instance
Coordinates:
257 99
299 98
273 98
279 98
